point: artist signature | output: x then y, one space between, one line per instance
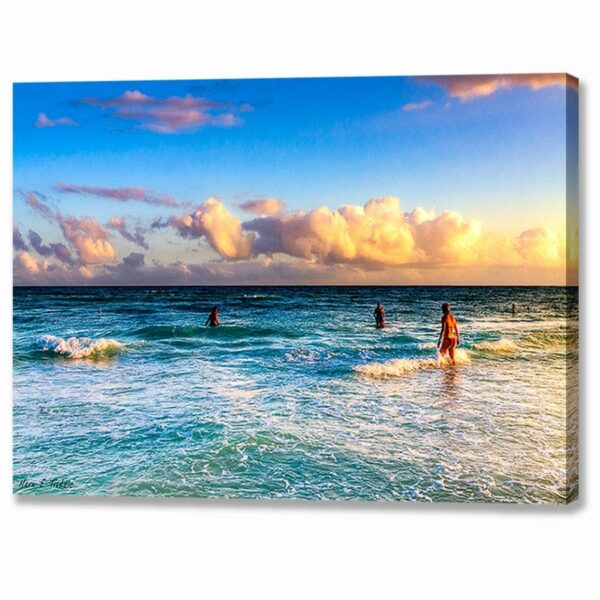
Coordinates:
59 483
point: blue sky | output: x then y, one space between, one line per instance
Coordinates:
496 157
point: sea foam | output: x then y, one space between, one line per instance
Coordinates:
75 347
405 366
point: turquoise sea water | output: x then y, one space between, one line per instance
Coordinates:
123 391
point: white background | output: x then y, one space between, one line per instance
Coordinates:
122 548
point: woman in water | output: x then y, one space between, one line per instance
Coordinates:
449 335
213 318
379 315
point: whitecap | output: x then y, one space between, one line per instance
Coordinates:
75 347
405 366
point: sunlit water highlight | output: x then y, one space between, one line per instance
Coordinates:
124 391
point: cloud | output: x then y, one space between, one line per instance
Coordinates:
376 243
27 263
58 250
412 106
29 271
125 271
89 239
170 115
85 234
468 87
137 237
18 241
35 203
43 121
223 231
378 233
159 223
266 206
36 242
540 245
122 194
135 260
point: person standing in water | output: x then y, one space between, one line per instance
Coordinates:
379 315
449 335
514 309
213 318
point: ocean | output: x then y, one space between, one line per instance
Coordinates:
124 391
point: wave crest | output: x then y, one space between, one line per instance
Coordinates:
501 346
75 347
547 340
405 366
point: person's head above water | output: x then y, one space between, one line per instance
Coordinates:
445 308
215 309
378 304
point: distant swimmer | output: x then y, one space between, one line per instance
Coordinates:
449 335
213 318
514 309
379 315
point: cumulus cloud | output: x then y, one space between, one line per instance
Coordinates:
170 115
89 239
412 106
43 121
136 237
266 206
377 243
223 231
378 233
540 245
29 271
122 194
468 87
27 263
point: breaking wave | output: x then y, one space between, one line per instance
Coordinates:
406 366
75 347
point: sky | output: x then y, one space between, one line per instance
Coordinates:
373 180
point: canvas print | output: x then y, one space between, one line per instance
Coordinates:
358 288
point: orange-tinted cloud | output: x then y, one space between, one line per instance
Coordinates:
89 239
266 206
377 243
469 87
85 234
223 231
28 263
378 233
